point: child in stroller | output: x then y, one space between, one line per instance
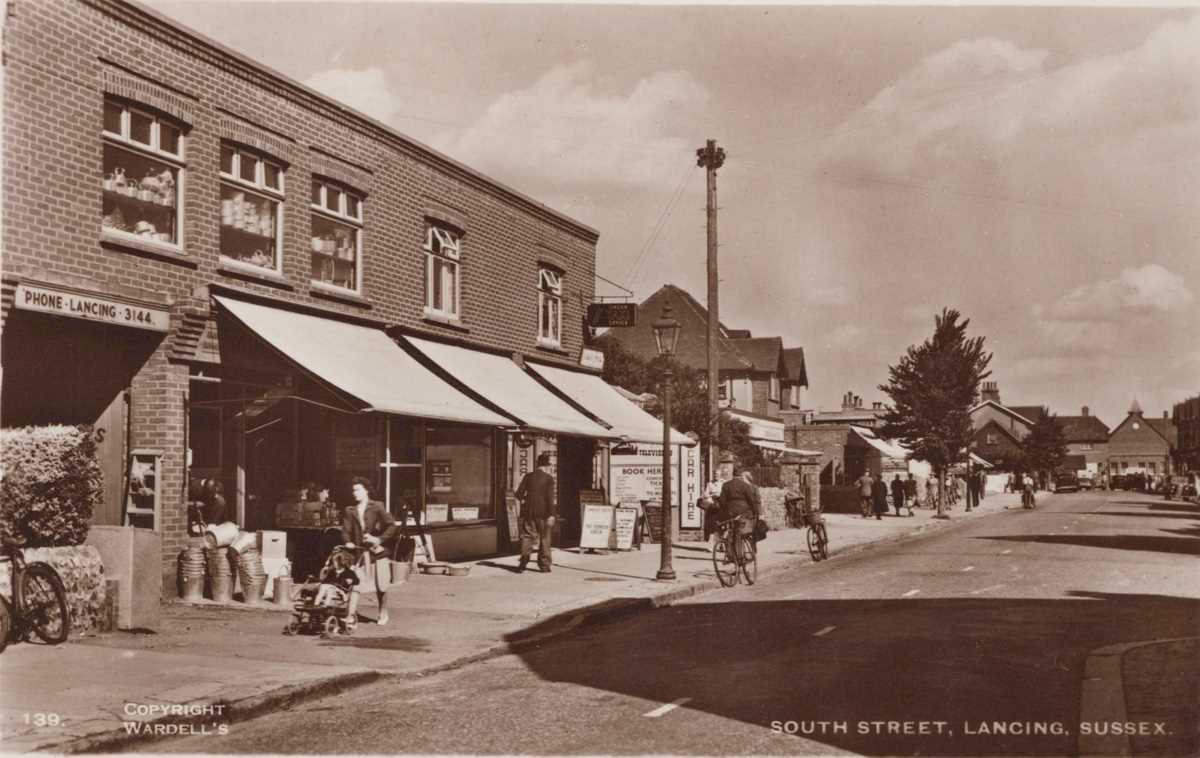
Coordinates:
323 608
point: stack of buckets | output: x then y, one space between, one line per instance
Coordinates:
221 540
250 566
191 565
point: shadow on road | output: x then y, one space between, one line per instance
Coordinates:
1144 543
886 666
1143 514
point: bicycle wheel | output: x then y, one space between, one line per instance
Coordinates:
822 540
43 603
814 543
749 558
723 562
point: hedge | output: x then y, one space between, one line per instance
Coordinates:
51 484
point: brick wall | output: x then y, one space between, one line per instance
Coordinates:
63 56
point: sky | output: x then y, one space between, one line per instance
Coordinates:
1037 169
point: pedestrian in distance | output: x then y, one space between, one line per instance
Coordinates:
879 492
865 490
1008 483
899 497
982 478
972 492
931 492
739 498
539 511
910 493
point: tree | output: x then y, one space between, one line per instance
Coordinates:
932 389
1045 447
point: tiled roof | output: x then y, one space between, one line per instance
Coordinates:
764 352
1166 428
1083 428
797 371
1031 412
692 348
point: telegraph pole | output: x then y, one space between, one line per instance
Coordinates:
710 157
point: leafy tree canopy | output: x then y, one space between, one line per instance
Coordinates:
1045 447
932 391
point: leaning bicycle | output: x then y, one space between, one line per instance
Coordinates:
734 554
802 516
38 603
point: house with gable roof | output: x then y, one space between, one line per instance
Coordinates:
1000 430
1142 445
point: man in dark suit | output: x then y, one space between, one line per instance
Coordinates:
539 509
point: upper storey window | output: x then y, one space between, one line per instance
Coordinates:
337 222
251 208
143 174
550 292
443 254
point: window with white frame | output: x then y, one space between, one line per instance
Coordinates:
992 439
774 387
337 221
251 207
143 174
549 306
443 256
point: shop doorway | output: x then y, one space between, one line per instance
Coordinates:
575 459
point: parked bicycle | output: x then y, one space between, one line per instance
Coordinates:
38 603
802 516
734 555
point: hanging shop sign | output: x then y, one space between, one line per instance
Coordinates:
81 305
612 314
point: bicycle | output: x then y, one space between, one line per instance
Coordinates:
39 601
734 554
801 516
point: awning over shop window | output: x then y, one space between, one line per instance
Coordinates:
361 362
506 385
779 447
888 448
603 401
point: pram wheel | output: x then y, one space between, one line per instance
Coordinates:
333 626
291 628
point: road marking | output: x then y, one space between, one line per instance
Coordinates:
969 568
910 593
1005 552
665 709
986 589
824 631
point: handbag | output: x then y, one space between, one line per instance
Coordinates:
760 530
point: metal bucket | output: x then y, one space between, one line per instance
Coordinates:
220 535
282 591
222 588
244 541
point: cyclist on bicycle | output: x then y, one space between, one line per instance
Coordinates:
739 497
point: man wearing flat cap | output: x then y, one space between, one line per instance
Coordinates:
539 507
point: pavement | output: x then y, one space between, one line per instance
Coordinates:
208 665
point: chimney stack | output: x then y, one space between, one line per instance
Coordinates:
990 391
1165 415
1085 411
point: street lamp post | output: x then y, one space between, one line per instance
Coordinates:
666 334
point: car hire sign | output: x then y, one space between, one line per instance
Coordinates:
63 302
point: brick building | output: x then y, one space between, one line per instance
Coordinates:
241 280
1141 445
1186 417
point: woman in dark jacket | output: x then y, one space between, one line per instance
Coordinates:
879 498
368 524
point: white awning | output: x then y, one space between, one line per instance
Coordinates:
888 448
506 385
361 362
606 403
779 447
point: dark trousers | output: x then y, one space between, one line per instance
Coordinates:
972 498
535 529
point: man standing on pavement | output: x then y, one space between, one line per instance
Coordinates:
898 495
739 497
865 488
538 511
879 492
910 492
972 492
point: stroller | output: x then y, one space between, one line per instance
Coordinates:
311 614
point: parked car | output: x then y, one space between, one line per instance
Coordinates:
1066 482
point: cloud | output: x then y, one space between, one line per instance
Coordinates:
1147 290
365 90
564 127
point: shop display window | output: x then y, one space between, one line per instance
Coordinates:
251 208
143 174
443 252
458 473
336 235
549 306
